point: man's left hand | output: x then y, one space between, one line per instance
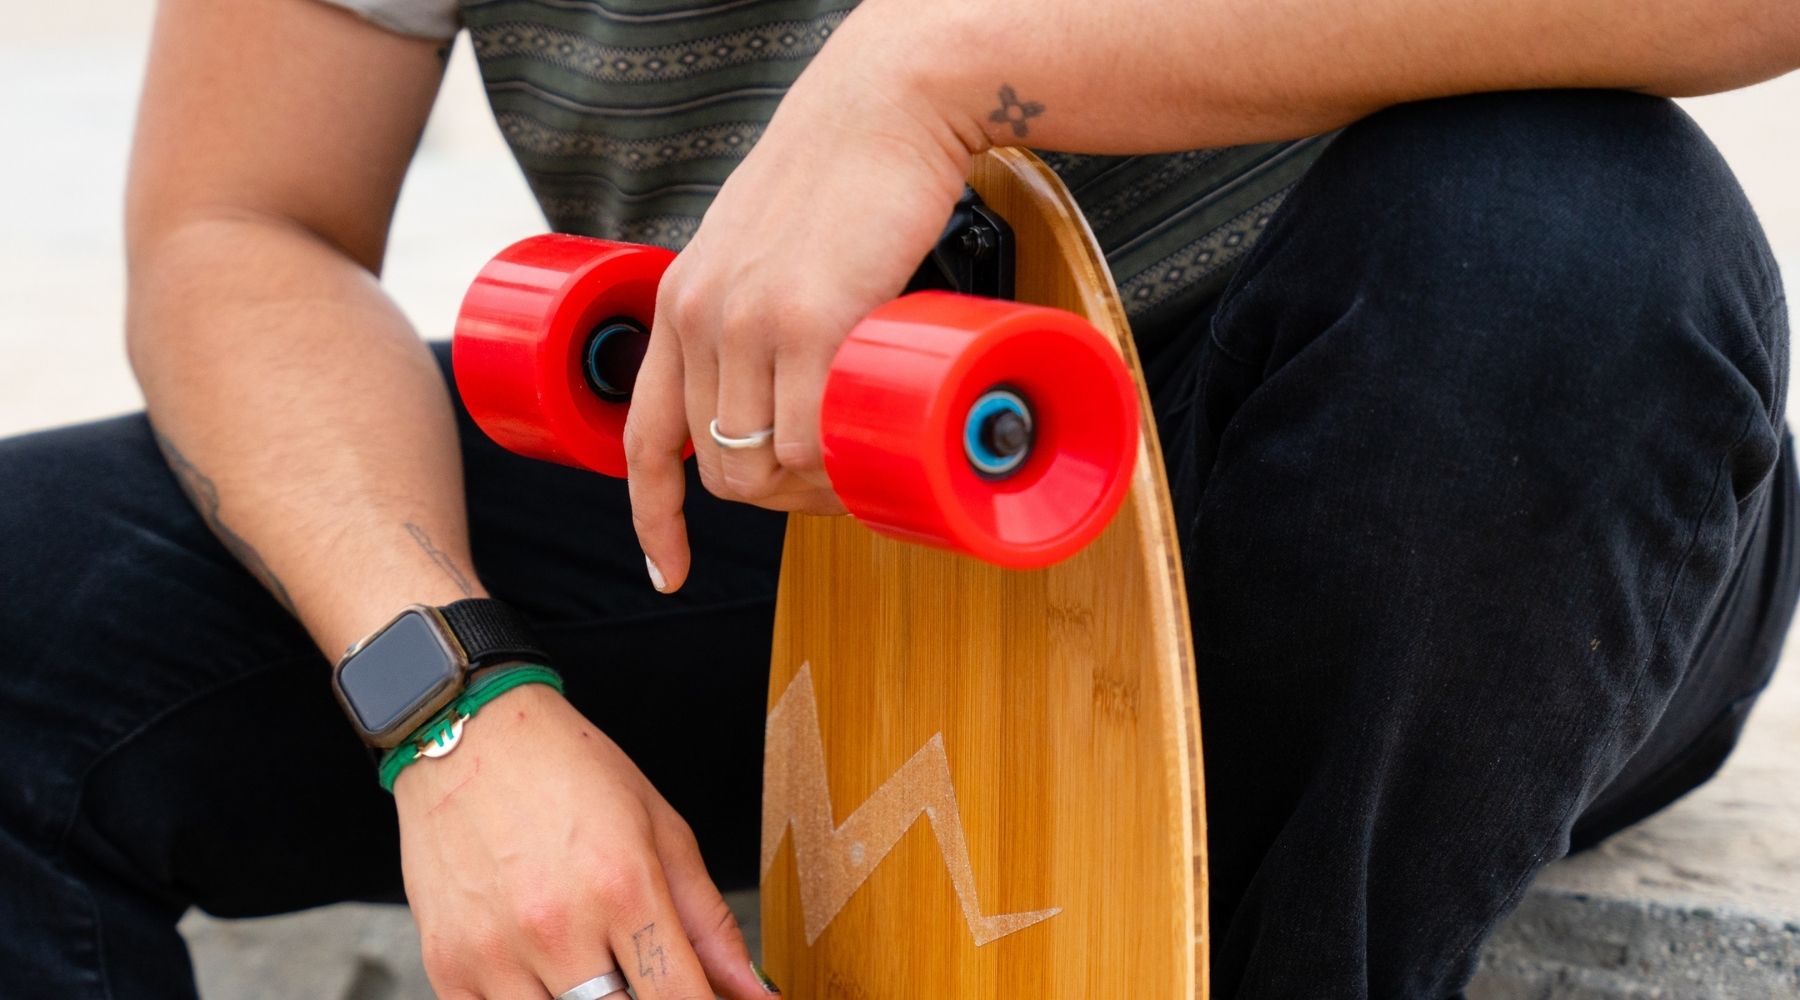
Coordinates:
825 219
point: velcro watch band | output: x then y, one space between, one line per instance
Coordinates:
491 632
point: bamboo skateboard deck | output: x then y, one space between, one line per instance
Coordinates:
982 782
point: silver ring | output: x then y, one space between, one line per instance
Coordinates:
596 988
756 440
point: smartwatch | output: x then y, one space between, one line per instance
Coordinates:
395 680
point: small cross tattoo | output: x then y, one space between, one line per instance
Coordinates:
1014 112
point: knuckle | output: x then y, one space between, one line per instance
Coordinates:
786 304
670 826
442 961
544 924
445 963
621 891
799 456
721 922
680 303
638 446
742 321
796 336
744 483
488 948
713 481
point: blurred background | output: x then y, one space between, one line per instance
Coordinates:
1709 889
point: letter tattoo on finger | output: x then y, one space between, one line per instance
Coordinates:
651 959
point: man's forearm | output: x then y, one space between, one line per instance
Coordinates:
305 420
1161 75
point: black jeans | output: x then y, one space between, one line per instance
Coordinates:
1488 525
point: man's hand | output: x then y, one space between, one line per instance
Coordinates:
824 220
537 857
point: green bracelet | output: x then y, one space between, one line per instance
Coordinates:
440 735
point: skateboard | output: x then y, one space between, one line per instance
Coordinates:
982 759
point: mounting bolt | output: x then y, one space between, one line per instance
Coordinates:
977 241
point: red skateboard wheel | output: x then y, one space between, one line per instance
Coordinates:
1002 430
547 345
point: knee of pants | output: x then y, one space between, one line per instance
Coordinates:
1569 282
1523 249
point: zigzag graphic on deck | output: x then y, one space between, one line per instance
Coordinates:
835 862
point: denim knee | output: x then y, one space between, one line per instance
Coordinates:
1534 270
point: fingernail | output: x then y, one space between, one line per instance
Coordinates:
762 977
656 577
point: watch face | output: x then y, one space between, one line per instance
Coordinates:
397 672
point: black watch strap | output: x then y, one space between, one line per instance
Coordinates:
491 632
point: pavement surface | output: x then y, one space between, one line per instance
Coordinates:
1702 900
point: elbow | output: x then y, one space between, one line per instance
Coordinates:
170 264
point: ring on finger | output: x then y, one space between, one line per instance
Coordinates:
756 440
597 988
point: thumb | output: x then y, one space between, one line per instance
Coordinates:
711 926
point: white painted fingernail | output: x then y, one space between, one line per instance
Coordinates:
656 577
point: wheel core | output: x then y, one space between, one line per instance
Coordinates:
610 361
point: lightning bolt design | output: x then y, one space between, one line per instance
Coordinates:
835 862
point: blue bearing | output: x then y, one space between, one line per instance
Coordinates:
998 433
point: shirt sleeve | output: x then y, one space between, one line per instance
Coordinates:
437 19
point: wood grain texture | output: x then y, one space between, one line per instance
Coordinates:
1060 704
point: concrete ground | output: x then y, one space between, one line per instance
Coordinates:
1700 901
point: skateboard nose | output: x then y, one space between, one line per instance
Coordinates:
612 356
998 433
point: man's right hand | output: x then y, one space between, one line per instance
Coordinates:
537 857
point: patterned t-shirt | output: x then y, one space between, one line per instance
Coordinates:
627 115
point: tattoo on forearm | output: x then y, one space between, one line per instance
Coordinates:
1015 112
204 495
440 557
651 960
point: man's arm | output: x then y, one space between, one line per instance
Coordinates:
314 432
294 402
1160 75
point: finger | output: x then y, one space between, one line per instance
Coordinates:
799 388
565 943
700 395
745 404
511 984
652 947
448 971
656 434
711 926
559 977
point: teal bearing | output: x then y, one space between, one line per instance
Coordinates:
997 434
610 359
